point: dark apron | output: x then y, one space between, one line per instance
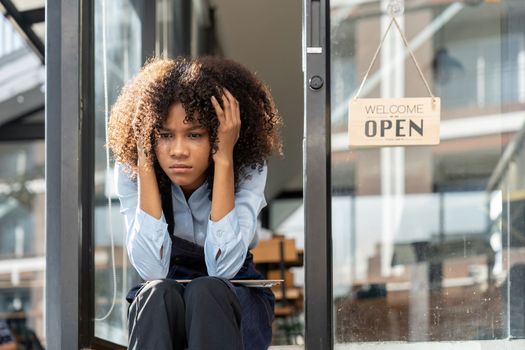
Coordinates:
187 262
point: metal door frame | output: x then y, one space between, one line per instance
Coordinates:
317 175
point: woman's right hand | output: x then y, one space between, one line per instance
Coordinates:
142 159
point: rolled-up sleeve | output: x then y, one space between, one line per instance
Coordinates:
145 235
228 239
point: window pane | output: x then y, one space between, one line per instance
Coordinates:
508 236
113 273
22 237
428 242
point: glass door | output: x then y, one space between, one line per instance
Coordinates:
428 242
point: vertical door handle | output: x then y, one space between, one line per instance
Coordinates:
314 44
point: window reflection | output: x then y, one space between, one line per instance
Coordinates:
430 279
22 257
124 23
113 273
427 245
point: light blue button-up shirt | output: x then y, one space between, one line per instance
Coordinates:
234 234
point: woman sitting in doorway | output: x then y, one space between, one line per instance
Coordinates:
191 138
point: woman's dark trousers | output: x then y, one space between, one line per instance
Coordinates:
204 314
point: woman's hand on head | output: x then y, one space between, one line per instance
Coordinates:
229 126
136 133
142 158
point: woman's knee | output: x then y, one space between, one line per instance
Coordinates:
157 309
161 288
203 287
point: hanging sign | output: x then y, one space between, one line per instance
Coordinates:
394 121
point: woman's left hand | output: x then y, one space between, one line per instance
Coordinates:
229 126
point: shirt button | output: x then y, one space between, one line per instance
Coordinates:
219 233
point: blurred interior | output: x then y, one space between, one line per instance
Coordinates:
426 239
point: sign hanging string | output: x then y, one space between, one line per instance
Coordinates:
405 41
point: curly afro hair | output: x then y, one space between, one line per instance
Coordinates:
143 104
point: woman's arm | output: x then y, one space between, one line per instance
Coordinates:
227 135
149 195
223 192
233 218
236 232
147 240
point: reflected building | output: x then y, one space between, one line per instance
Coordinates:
22 186
425 237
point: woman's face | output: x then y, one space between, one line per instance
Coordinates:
183 150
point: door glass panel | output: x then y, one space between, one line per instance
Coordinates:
125 27
22 242
114 275
429 241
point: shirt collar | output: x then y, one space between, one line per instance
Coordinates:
197 195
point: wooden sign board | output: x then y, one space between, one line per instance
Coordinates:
393 122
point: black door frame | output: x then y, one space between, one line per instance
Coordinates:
68 120
317 175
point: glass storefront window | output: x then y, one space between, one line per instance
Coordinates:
22 237
123 59
424 248
124 56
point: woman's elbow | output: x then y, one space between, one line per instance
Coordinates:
228 269
147 270
226 274
150 273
